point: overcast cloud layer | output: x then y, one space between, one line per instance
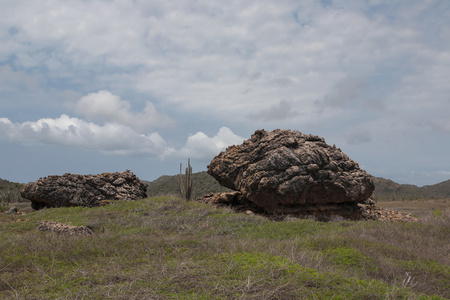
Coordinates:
126 84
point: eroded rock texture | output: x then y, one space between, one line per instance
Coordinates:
285 171
59 228
83 190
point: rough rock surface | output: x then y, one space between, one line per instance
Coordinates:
64 229
83 190
285 171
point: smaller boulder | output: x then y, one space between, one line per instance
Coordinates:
83 190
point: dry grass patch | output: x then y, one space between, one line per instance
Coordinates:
420 208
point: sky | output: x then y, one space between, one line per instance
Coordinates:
111 85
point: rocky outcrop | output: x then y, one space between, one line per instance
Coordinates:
285 171
62 229
83 190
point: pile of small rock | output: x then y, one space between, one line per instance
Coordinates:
62 229
372 212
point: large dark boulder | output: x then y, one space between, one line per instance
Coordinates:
83 190
285 171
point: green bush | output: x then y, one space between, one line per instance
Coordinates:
438 213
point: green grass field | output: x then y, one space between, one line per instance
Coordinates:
165 248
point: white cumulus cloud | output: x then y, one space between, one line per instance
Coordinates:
74 132
367 73
114 138
110 108
200 146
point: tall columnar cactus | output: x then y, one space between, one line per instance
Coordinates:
186 182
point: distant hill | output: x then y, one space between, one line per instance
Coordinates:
6 185
10 192
385 189
440 189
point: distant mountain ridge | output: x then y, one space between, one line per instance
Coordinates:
385 189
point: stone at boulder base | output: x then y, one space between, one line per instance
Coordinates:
286 171
83 190
12 211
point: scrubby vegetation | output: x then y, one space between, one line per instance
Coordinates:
167 248
10 193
